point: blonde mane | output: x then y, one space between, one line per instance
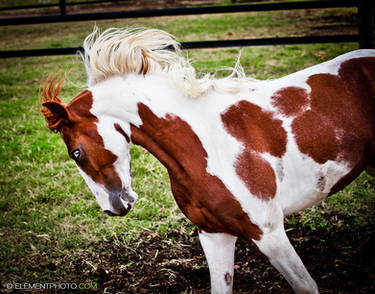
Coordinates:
147 51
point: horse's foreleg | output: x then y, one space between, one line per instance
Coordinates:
219 250
275 244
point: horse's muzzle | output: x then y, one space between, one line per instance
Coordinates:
119 206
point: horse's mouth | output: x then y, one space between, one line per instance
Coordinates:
123 212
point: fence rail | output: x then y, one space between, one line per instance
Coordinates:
199 45
60 4
179 11
365 35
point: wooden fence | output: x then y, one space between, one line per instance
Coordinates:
365 36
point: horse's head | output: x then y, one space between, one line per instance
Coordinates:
100 149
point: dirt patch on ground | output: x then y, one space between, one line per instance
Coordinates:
341 261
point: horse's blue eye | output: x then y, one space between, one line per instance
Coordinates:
76 154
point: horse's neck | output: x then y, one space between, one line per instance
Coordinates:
164 122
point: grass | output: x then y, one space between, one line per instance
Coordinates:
48 213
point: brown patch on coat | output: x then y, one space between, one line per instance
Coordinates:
340 122
202 197
257 174
228 279
122 132
260 133
290 101
316 136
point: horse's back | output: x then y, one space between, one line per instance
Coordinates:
328 111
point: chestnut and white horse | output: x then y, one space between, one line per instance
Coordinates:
241 153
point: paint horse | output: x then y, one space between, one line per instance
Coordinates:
241 153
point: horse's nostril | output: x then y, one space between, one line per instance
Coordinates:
126 197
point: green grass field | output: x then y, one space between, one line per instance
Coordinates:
46 210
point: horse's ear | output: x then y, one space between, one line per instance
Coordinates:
58 109
55 113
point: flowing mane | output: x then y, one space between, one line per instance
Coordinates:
148 51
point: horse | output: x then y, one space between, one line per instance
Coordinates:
241 153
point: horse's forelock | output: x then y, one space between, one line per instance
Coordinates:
50 93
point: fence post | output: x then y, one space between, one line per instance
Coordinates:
366 9
62 7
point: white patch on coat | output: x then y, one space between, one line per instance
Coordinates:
98 190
